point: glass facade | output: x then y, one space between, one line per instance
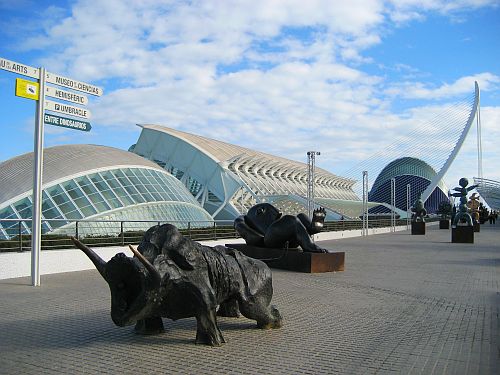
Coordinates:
113 194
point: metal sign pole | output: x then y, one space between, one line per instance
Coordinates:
408 204
365 203
36 225
393 204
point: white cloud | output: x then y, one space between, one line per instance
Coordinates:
278 76
419 90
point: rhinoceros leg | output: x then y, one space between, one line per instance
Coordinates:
149 326
207 331
229 309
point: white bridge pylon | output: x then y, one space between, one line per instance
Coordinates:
427 192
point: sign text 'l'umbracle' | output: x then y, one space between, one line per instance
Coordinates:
67 109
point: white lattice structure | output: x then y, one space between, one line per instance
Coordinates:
436 142
489 190
228 179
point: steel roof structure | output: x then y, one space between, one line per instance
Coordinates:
228 179
489 190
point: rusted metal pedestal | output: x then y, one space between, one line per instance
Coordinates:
462 234
444 224
294 259
418 227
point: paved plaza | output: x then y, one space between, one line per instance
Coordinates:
405 304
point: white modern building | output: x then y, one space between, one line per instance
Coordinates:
227 179
489 190
94 183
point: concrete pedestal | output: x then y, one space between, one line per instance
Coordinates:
293 259
444 224
418 227
462 234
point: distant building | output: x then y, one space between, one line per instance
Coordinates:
415 172
227 179
93 182
489 190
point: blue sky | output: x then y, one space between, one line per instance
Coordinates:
282 77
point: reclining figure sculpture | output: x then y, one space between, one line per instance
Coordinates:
265 226
171 276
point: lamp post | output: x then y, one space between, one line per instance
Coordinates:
365 203
408 206
393 205
311 164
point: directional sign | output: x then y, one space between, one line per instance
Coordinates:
67 109
72 84
67 122
18 68
66 95
27 89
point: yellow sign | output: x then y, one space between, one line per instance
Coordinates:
27 89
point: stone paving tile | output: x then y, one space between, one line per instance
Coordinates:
405 304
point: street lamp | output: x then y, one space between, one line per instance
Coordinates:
311 161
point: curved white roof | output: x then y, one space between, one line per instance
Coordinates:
228 179
265 174
225 152
16 174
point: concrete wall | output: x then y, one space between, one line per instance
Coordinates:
14 265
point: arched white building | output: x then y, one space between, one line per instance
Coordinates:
92 182
227 179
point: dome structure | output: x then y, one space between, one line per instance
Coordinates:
407 171
92 182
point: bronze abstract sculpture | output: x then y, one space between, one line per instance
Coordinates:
265 226
171 276
462 216
418 210
473 206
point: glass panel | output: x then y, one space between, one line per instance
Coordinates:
8 213
49 211
105 191
128 186
24 208
138 184
67 207
79 198
11 227
149 182
117 188
92 194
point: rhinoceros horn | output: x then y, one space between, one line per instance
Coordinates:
153 272
99 263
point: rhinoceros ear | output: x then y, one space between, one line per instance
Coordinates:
152 271
99 263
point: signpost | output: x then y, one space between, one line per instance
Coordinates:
66 122
54 92
66 109
72 84
18 68
37 91
27 89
